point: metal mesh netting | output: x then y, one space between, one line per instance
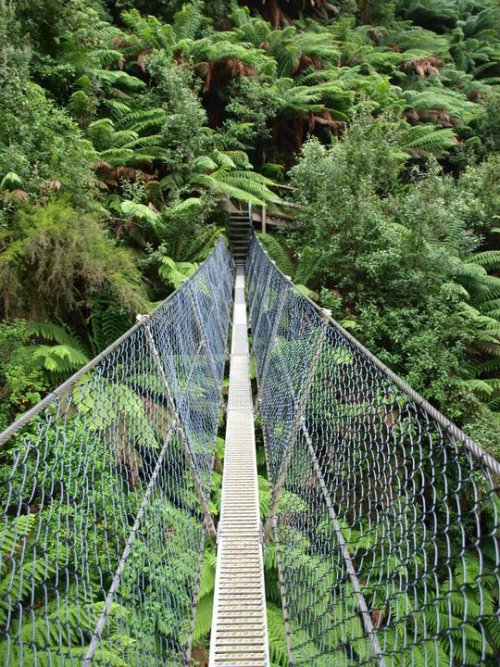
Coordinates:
103 489
385 515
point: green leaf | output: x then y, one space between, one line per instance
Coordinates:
140 212
175 273
203 617
11 181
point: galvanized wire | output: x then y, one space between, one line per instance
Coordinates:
103 487
386 516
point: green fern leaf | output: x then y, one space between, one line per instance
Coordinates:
203 617
488 259
278 253
277 637
207 582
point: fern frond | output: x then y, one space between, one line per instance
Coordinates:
277 637
187 21
58 358
199 247
175 273
141 212
207 582
117 109
107 323
139 121
479 386
203 617
101 132
119 78
279 254
54 332
308 265
428 140
489 259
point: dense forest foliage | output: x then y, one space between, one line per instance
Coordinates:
126 125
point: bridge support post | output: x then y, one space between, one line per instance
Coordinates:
178 426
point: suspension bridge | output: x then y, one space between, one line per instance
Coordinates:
383 516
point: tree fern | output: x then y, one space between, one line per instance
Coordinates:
427 140
485 387
152 140
249 185
175 273
308 265
238 185
66 354
107 323
264 496
487 367
207 582
198 248
452 103
144 214
117 108
150 30
474 277
147 119
118 78
121 406
279 254
188 20
305 291
117 156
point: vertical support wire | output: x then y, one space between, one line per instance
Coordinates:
273 519
379 477
209 522
110 597
100 513
296 426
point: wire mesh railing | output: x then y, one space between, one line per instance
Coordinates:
104 492
385 515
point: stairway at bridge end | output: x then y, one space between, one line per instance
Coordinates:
240 234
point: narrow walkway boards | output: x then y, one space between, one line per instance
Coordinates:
239 626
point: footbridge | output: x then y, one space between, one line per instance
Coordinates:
380 516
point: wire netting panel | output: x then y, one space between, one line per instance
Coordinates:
102 527
386 517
